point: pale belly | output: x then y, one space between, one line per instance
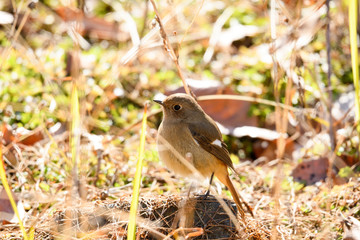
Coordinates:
189 151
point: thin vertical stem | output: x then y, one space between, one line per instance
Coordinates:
137 180
169 48
353 12
277 178
9 192
328 52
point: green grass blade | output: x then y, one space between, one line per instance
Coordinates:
8 192
136 189
353 8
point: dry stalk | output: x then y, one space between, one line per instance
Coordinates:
328 53
169 49
193 232
192 22
307 111
6 53
214 38
329 184
280 141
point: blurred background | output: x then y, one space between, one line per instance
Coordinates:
289 123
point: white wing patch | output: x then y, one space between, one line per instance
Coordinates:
217 142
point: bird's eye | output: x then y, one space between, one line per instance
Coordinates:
177 107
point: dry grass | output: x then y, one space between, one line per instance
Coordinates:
78 183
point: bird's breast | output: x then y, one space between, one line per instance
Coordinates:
177 148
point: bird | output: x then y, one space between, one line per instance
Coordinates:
187 132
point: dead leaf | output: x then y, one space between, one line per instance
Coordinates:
268 149
93 26
21 135
311 171
7 214
350 160
315 170
28 137
351 227
7 134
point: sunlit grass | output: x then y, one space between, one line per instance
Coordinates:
136 183
75 124
353 8
10 196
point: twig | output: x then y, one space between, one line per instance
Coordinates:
123 131
328 53
253 99
146 41
169 48
192 22
332 157
193 232
280 141
145 19
17 33
214 38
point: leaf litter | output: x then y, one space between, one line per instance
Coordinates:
121 76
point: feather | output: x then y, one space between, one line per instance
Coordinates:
205 136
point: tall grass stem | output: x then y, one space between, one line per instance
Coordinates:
136 188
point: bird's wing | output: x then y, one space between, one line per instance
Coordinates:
209 138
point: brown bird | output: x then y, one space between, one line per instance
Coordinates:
194 136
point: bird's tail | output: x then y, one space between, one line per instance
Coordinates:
225 179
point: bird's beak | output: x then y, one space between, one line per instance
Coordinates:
159 102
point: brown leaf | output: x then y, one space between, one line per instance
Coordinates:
266 148
8 136
31 138
350 160
93 26
22 136
311 171
7 213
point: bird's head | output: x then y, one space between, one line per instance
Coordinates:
180 107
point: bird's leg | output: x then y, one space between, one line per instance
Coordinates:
208 191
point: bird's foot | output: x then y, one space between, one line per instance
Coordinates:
204 196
